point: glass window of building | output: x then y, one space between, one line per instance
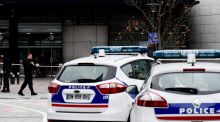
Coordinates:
44 40
4 36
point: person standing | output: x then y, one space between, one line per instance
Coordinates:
7 64
28 78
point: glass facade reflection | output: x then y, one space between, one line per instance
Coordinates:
44 40
4 36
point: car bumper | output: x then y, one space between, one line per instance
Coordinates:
144 114
118 110
105 116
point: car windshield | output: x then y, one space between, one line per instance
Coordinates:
87 74
187 83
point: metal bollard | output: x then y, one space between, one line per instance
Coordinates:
12 78
1 75
18 77
1 78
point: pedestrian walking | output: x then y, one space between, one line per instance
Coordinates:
7 64
28 78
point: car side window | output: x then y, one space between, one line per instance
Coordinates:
139 69
128 70
149 66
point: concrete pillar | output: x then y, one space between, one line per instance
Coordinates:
13 41
88 36
13 37
78 40
68 41
205 18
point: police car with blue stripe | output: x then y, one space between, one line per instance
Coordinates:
96 88
180 91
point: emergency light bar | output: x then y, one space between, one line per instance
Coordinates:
120 49
179 54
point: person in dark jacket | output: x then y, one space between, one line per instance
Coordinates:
7 64
28 80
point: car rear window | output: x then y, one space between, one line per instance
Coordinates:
87 74
188 83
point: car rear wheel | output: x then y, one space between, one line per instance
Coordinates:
128 119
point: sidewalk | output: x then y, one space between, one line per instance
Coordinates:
40 86
14 114
16 108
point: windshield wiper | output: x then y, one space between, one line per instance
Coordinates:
183 89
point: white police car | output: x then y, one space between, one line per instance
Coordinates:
181 92
94 88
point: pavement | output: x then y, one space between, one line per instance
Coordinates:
16 108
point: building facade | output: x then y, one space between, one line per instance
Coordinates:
205 18
57 31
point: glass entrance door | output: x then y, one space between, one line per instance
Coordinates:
47 58
43 56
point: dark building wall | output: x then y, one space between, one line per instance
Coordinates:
105 14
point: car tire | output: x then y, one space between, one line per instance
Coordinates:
128 119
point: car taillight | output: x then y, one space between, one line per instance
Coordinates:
53 87
111 88
194 70
151 100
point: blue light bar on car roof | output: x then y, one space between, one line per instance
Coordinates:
120 49
175 54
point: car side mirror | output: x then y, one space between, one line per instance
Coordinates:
132 89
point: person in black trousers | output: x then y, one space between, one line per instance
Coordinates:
7 64
28 78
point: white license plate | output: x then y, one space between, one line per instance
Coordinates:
78 96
